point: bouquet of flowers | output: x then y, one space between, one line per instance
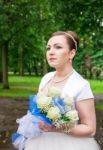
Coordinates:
52 109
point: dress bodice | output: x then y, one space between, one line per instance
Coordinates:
60 85
74 86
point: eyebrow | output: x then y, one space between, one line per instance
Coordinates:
55 44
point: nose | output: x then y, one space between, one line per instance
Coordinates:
51 51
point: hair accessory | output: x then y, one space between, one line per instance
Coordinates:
75 42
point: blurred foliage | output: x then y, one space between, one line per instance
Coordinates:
26 25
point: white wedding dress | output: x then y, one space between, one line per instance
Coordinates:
79 89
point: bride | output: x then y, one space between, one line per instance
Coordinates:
61 49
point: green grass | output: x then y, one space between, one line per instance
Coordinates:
21 86
99 106
97 86
28 85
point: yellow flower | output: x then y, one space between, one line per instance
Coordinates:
73 115
43 102
68 100
54 113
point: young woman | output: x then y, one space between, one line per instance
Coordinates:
61 49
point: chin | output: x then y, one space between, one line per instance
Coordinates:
52 65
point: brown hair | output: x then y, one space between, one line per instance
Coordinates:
71 37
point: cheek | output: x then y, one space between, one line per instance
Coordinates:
64 56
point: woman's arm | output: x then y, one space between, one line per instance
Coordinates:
86 112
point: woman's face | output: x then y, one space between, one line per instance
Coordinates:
58 53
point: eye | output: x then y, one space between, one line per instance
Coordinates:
58 47
48 48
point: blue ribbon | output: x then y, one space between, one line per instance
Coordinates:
36 111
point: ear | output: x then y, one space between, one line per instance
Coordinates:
72 53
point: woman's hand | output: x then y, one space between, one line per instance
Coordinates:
52 128
45 127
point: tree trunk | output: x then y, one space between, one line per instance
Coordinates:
5 65
20 61
43 61
36 69
88 66
44 67
0 66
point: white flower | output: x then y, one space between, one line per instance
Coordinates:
72 115
54 91
43 102
54 113
40 94
68 100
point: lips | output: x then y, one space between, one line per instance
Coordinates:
52 59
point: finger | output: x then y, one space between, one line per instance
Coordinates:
41 125
44 126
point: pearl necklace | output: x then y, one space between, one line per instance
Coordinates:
69 74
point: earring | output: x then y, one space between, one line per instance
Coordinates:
70 60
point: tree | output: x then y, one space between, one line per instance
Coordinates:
0 66
5 65
15 17
26 26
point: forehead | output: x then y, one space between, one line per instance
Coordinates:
60 39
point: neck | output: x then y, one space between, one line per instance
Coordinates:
62 74
64 71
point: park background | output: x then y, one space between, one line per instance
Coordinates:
25 26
